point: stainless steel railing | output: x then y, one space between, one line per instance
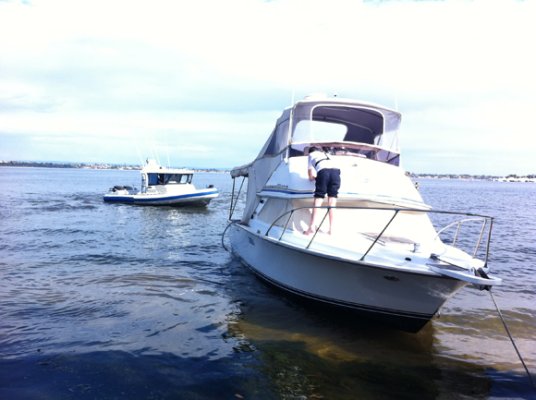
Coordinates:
486 221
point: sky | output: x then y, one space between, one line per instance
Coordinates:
201 83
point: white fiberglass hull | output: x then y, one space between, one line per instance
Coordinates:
407 300
200 197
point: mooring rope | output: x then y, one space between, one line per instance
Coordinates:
223 235
512 340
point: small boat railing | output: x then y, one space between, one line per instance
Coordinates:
487 221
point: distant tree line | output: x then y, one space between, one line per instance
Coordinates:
469 176
38 164
53 164
514 176
50 164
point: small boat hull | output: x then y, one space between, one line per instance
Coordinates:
198 198
162 186
401 299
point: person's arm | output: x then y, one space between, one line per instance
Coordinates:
312 173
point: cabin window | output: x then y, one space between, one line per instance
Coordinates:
185 178
153 179
179 179
169 179
174 178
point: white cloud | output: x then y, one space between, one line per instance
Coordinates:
461 72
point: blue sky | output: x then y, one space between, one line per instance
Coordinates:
201 82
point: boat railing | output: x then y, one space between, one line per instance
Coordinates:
458 224
486 221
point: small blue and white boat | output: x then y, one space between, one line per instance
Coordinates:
161 186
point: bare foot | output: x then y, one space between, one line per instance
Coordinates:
309 231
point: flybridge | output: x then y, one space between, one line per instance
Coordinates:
340 123
343 126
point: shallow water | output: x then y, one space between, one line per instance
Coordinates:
114 301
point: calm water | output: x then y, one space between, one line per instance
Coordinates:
106 301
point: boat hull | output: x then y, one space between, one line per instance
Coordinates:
401 299
200 198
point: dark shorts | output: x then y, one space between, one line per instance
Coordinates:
328 180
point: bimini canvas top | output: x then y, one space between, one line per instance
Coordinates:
340 120
333 121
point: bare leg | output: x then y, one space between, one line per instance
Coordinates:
312 226
332 202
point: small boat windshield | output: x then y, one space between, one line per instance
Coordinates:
169 179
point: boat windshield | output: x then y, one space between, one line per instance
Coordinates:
353 128
169 179
319 131
340 126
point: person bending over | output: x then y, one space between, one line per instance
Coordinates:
323 170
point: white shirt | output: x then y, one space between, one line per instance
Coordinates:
319 160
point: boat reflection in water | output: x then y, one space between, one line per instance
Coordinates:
384 256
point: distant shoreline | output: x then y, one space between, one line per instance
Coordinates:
43 164
104 166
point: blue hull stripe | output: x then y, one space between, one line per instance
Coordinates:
287 191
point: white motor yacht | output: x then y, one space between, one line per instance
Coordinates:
162 186
388 255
